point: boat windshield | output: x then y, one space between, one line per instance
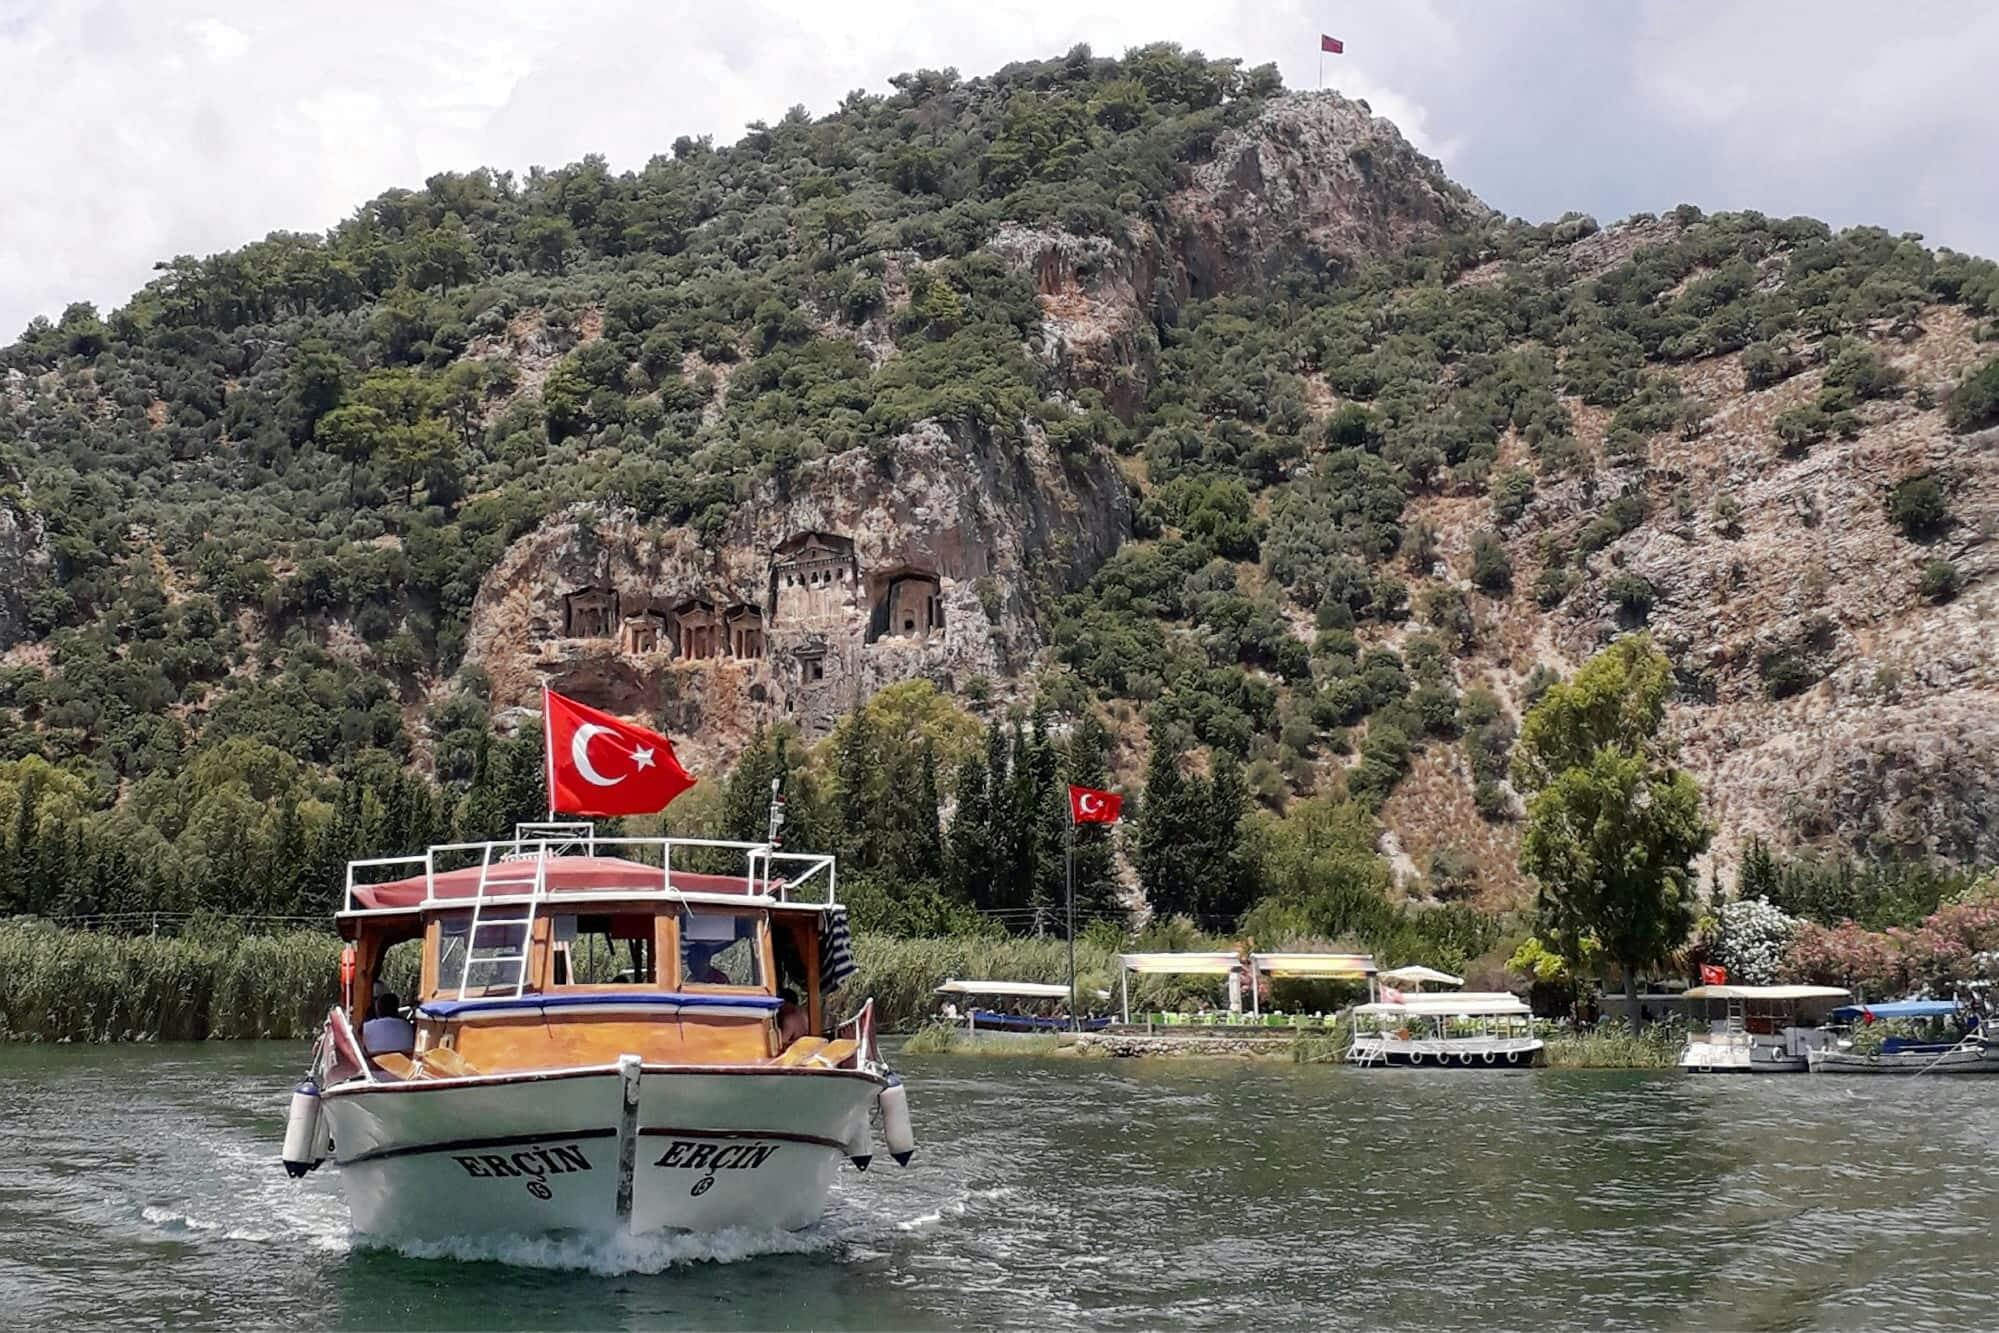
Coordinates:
720 949
496 963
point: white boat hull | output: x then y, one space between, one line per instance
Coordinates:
690 1148
1445 1052
1969 1059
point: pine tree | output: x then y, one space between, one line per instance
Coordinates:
915 838
857 793
1758 877
1162 834
20 886
746 795
969 853
1227 882
283 858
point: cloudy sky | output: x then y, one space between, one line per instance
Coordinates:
134 130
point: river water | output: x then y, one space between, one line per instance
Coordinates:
139 1187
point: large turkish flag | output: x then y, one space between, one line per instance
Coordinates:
599 765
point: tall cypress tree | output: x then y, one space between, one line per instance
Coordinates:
746 796
1227 881
916 840
969 854
857 792
1162 834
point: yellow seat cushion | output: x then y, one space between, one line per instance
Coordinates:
443 1062
834 1054
389 1062
800 1051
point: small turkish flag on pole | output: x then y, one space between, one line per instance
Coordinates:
1713 976
599 765
1331 45
1087 805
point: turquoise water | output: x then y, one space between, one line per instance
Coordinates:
139 1187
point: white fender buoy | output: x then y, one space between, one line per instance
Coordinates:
303 1134
894 1104
861 1147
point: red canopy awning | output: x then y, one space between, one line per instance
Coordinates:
565 874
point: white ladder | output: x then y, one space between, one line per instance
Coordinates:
517 915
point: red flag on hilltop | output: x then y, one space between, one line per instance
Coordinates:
1087 805
1331 45
1713 976
598 765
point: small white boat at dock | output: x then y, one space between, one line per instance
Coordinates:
1460 1029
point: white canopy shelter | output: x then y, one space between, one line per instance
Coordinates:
1463 1004
1420 976
1216 964
1325 966
1021 989
1790 994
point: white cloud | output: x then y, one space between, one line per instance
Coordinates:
134 130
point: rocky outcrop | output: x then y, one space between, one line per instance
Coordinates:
1094 295
25 563
853 575
1315 177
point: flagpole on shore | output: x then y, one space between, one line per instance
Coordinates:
1069 893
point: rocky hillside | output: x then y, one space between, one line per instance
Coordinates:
1131 390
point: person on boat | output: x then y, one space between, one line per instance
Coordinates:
388 1032
791 1019
701 967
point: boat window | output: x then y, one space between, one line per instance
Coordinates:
602 949
495 961
720 949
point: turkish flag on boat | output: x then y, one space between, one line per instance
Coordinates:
1390 995
1087 805
1331 45
1713 976
599 765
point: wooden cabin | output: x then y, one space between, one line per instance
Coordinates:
533 960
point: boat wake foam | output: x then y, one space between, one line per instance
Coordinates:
610 1256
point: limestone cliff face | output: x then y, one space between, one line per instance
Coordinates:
853 576
1893 742
24 562
1315 175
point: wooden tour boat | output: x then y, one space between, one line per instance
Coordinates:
601 1041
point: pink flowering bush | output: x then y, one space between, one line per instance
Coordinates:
1843 955
1958 942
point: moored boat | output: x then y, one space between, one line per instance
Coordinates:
601 1042
1920 1037
1761 1030
1038 995
1461 1029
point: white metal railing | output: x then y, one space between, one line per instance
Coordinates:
767 871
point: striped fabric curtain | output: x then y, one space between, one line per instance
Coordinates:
836 950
